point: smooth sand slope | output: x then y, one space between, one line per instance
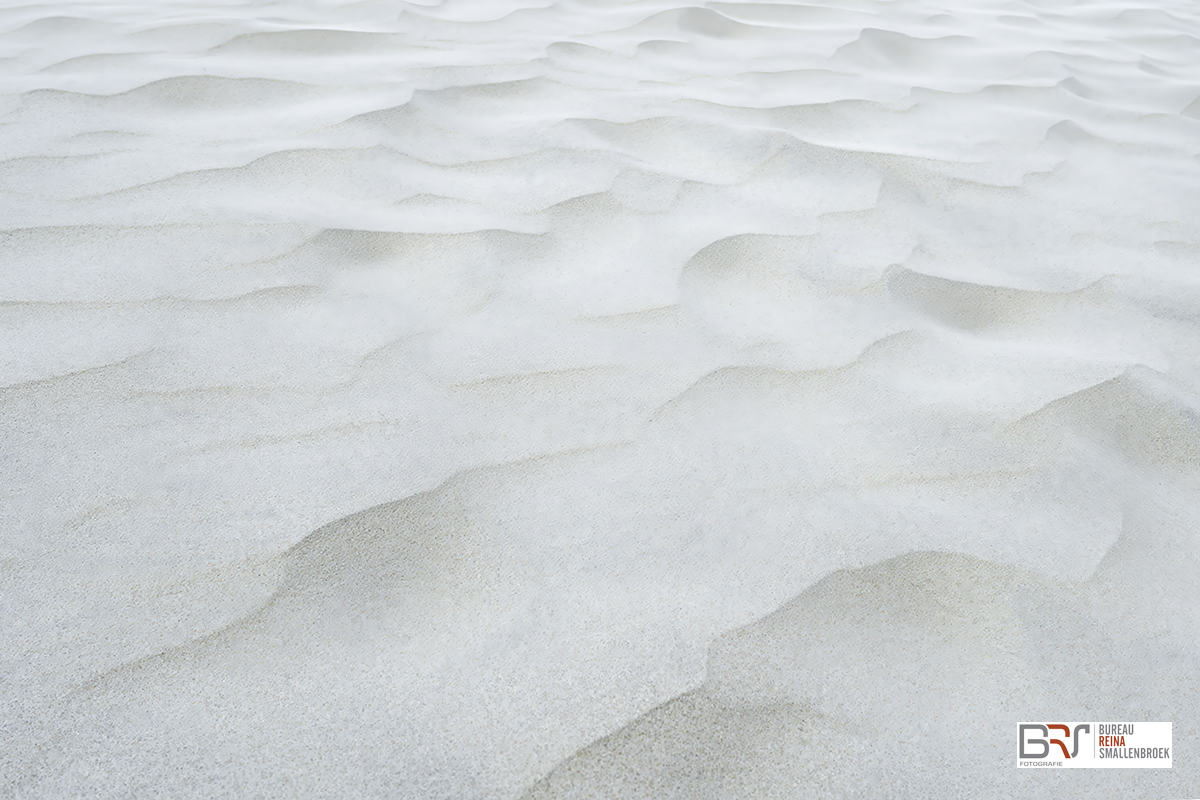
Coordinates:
479 399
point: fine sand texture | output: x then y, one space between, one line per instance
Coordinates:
497 399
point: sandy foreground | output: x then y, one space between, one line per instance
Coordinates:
487 399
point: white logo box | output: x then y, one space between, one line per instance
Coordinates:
1094 745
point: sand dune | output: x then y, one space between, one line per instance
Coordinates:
828 695
471 399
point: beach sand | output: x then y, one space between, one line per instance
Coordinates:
577 399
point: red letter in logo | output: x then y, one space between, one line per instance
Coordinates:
1067 732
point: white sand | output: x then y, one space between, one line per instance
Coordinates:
400 398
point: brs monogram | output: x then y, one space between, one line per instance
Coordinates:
1044 744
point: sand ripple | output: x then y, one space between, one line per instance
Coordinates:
625 324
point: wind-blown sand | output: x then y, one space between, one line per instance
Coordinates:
577 399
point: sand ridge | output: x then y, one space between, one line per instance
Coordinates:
397 398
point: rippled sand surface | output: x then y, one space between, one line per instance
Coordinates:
581 399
